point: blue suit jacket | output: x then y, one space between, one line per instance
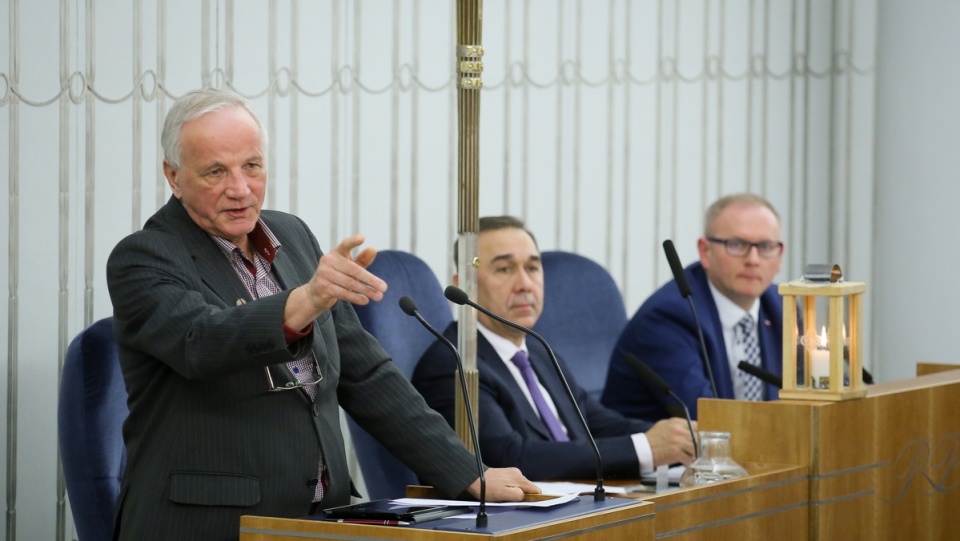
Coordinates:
663 335
512 434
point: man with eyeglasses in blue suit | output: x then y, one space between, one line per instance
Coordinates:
740 254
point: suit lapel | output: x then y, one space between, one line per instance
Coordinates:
712 333
217 273
284 268
220 277
771 341
492 362
766 336
213 268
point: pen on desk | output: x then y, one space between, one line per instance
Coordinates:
373 521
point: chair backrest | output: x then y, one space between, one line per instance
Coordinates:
406 340
583 315
90 413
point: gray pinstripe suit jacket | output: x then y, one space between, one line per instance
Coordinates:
206 443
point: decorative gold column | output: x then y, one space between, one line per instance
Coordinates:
469 83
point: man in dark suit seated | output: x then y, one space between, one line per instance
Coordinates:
237 348
526 419
740 310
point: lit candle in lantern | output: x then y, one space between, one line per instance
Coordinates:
820 362
846 346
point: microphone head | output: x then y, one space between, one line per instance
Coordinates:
674 260
649 377
408 306
456 295
761 374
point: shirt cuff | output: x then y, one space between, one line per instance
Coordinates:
292 335
644 452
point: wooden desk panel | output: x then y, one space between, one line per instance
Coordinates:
772 503
633 522
932 368
886 466
899 470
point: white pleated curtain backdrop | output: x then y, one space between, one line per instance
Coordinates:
607 124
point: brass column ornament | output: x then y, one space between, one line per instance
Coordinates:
469 83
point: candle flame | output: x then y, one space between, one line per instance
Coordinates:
823 337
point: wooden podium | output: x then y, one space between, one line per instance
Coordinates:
771 503
886 466
586 520
882 467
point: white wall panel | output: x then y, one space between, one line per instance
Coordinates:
917 167
609 125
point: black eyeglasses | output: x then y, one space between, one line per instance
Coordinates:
290 385
767 249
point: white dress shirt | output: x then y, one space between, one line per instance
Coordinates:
730 315
506 350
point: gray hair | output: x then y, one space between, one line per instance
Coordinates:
193 105
744 199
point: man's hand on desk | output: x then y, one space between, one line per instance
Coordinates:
504 485
670 442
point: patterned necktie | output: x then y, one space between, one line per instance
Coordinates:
746 333
530 378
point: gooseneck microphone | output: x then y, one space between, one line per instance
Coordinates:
761 374
656 384
410 308
458 296
684 287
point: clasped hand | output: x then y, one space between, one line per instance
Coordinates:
671 443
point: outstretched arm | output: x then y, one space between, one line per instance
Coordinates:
339 276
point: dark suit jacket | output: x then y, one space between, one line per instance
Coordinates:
511 433
663 335
206 443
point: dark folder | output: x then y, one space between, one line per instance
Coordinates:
387 510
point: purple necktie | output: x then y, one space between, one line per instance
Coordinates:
549 419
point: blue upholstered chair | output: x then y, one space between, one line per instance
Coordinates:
583 314
90 413
406 340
